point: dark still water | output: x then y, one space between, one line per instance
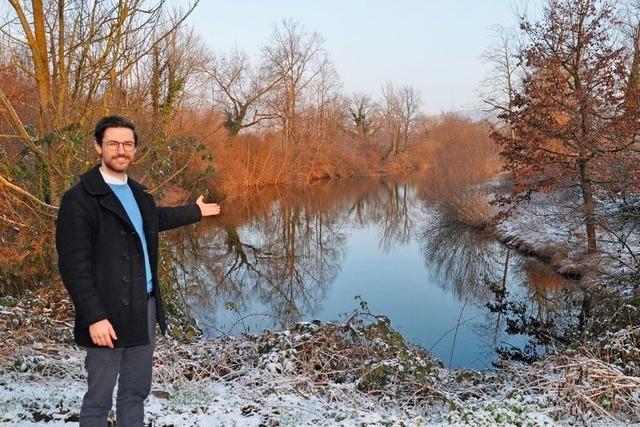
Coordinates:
283 255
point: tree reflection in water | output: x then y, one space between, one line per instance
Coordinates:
277 250
466 263
526 297
465 258
274 253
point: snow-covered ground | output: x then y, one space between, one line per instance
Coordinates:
332 374
47 390
29 401
26 400
551 227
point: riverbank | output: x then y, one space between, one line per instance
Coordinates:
356 372
550 227
544 228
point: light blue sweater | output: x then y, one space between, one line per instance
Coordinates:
125 195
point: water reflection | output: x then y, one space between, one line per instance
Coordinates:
282 255
468 259
277 249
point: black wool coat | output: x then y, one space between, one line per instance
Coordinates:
101 260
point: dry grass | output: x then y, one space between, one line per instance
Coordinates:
472 208
587 386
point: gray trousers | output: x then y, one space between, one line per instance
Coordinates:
131 366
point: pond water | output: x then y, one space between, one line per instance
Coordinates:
281 255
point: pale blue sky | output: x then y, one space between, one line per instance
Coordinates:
435 46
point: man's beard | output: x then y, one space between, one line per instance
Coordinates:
116 165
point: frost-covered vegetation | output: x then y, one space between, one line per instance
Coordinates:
356 372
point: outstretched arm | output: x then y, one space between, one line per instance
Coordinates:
173 217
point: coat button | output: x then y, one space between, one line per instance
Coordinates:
125 301
125 279
125 256
123 232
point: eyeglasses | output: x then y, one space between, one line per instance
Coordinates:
127 145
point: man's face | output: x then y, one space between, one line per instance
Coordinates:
113 150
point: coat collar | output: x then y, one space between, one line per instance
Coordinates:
95 185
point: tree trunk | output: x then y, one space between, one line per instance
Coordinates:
63 83
41 65
589 211
155 84
585 311
634 74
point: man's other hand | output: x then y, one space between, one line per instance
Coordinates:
208 209
102 333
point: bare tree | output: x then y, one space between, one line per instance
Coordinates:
391 114
80 56
242 87
296 58
401 111
410 103
175 64
324 104
500 85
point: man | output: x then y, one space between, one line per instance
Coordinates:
107 242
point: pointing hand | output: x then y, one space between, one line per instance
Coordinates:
207 209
